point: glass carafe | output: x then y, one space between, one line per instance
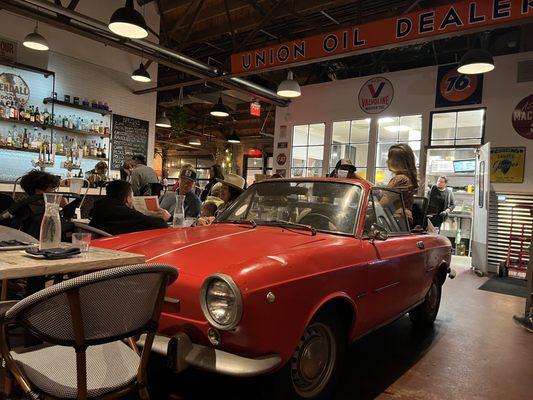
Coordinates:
50 234
179 211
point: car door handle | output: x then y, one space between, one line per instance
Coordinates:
420 245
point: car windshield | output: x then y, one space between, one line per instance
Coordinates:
325 206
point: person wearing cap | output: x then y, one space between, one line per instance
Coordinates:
345 169
232 187
192 203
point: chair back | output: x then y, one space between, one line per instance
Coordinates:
97 308
75 185
420 208
7 233
151 189
95 232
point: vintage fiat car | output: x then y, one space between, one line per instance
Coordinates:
288 276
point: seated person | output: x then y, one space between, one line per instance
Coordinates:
98 175
115 214
345 169
214 197
187 183
209 209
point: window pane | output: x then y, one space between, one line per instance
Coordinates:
410 128
388 129
361 155
204 162
316 134
443 126
463 142
360 130
270 162
299 156
296 172
383 176
255 162
300 135
361 172
314 172
470 124
315 156
383 154
341 132
442 142
191 161
337 151
202 174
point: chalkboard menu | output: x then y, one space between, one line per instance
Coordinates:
129 137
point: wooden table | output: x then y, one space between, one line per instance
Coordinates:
17 264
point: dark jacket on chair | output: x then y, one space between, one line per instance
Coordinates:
114 217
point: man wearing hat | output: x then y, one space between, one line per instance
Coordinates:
192 204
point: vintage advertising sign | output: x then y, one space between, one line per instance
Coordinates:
456 89
255 109
416 26
13 89
8 49
376 95
281 159
523 117
507 164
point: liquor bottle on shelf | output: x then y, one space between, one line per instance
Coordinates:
21 113
25 141
9 139
104 152
38 116
46 117
99 151
101 128
106 128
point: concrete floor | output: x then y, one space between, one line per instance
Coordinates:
475 351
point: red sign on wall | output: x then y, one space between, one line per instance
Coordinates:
255 109
452 18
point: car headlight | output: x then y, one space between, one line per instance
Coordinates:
221 301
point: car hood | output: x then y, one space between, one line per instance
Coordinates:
222 248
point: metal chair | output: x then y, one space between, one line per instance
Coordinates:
83 322
420 208
95 232
75 185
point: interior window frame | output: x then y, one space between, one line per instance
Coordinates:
455 139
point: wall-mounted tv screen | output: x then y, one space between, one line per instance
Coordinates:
464 166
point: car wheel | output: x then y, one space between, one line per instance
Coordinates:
314 367
425 313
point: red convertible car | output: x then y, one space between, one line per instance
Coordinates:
288 276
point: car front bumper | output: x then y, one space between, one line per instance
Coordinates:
181 353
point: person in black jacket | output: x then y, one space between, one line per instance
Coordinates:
115 214
441 202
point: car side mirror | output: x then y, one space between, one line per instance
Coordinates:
378 232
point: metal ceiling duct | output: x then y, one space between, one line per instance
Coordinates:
91 28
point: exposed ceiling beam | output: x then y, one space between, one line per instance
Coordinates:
230 26
181 21
185 37
73 4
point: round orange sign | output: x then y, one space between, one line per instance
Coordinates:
456 87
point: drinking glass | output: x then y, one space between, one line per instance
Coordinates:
82 241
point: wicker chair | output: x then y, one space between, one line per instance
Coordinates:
84 322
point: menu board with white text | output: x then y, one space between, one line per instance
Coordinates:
129 138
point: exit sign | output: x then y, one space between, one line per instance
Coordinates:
255 108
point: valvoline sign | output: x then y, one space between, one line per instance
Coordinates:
376 95
456 89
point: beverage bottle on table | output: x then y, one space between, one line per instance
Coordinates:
179 211
50 233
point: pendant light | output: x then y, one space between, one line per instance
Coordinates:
233 138
35 41
128 22
219 109
141 74
195 142
476 61
163 121
289 87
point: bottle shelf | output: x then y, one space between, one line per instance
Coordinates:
57 154
55 128
49 100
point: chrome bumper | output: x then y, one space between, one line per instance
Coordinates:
182 353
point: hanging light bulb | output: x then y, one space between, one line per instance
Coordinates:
163 121
195 142
128 22
219 109
476 61
289 87
233 138
35 41
141 74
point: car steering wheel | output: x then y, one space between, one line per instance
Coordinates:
320 218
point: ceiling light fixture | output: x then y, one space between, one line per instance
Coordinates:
195 142
476 61
141 74
128 22
35 41
219 109
163 121
233 138
289 87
